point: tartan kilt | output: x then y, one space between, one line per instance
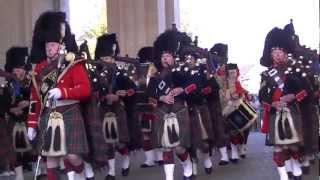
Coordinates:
196 131
297 121
221 138
7 154
181 110
147 116
121 117
93 123
75 131
134 127
310 120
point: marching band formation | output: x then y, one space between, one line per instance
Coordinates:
62 112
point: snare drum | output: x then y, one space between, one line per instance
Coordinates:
242 117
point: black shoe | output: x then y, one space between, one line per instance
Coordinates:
41 177
305 170
109 177
160 163
194 176
92 178
144 165
243 156
290 175
187 178
223 163
297 177
208 170
125 172
234 161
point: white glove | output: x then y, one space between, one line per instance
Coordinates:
54 94
31 133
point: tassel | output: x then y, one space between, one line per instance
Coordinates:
57 139
281 129
171 141
113 131
107 131
23 143
175 136
288 131
16 138
47 139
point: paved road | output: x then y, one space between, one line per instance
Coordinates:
257 166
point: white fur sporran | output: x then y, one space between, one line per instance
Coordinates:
20 141
284 122
110 128
171 131
54 142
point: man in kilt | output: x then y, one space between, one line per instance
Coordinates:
16 64
172 125
145 108
308 107
221 138
113 86
59 83
282 91
8 157
201 125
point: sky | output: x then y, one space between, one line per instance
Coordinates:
243 25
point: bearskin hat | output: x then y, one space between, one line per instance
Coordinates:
16 57
220 50
276 38
145 54
171 41
49 28
107 45
231 66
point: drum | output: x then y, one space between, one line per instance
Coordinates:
242 117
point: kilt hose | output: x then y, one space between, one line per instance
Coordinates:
75 131
7 154
182 113
93 124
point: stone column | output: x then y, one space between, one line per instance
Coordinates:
138 22
18 18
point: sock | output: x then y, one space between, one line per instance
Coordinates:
234 151
243 149
288 165
207 163
112 169
224 154
150 157
169 171
88 171
296 167
125 161
186 164
194 167
19 173
71 175
283 173
159 154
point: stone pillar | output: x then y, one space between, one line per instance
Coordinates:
18 18
138 22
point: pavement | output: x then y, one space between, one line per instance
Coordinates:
257 166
